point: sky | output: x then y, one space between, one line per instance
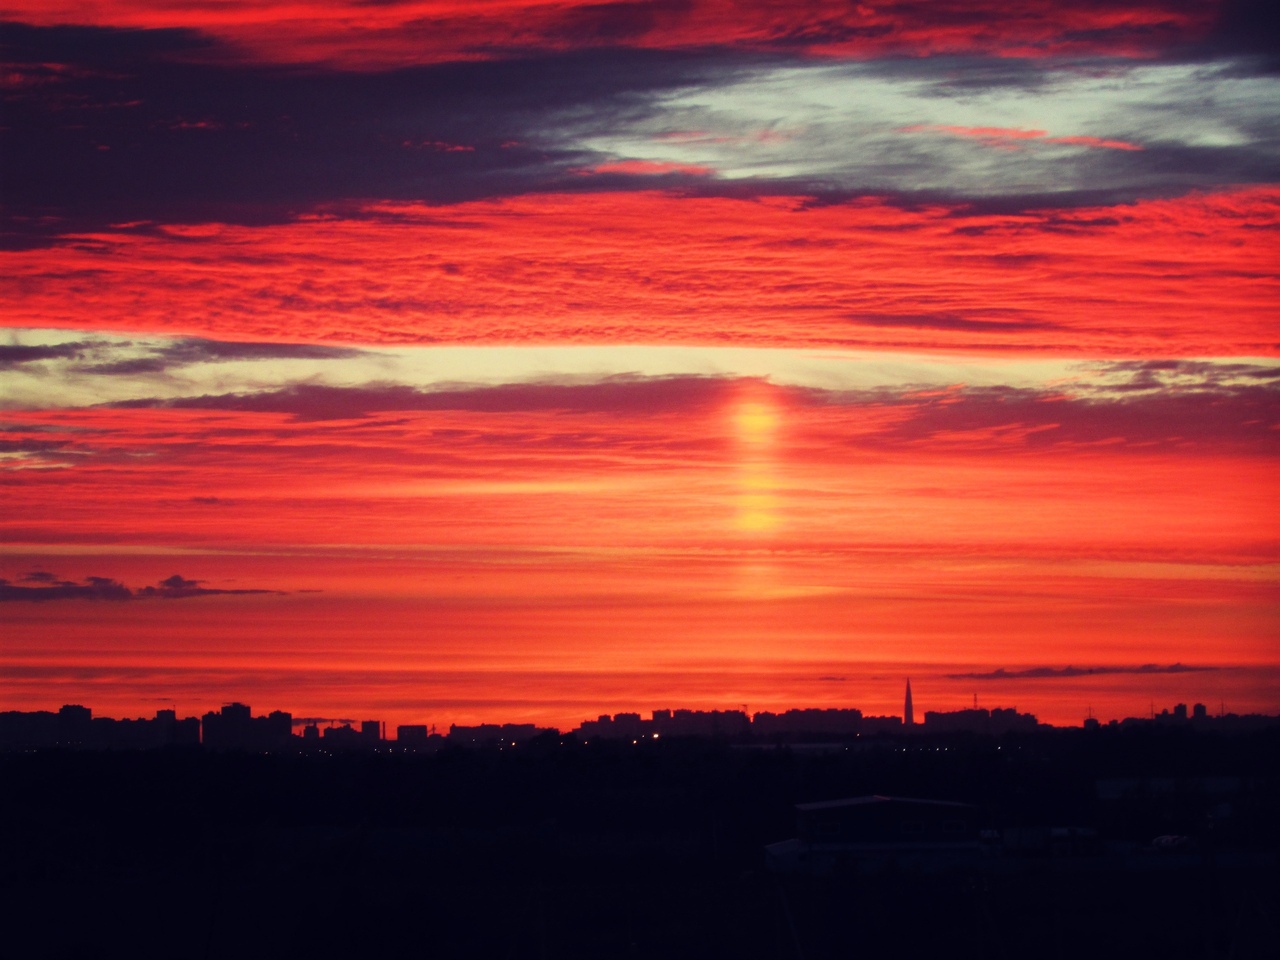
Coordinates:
525 361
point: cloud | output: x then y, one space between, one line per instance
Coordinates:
1249 27
159 140
649 267
1010 137
618 394
926 320
13 354
1204 416
126 131
92 588
360 35
177 587
188 351
49 587
647 168
1047 673
29 445
39 576
1189 406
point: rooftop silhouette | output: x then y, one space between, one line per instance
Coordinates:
234 727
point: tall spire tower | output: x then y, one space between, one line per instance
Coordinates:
908 712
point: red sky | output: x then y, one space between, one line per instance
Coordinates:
551 361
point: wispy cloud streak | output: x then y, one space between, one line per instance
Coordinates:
43 587
1047 673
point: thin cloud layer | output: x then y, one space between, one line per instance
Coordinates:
1200 415
1047 673
360 36
44 587
624 268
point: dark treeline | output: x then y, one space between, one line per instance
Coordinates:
566 848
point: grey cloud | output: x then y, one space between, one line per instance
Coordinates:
136 135
1187 406
178 587
13 354
31 445
1198 375
314 402
1048 673
92 588
1246 416
49 587
1249 27
149 138
39 576
186 352
947 321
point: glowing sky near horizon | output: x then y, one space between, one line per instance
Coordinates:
533 361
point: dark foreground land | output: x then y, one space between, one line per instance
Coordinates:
564 849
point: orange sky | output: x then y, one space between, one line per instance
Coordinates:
590 555
529 361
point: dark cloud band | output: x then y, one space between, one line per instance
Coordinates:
1050 673
47 587
111 127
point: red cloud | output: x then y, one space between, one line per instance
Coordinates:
648 168
354 34
1122 281
1003 136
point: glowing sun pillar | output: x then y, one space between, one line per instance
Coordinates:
755 423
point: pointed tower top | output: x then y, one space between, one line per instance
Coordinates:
908 711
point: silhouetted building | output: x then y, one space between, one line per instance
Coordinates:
141 734
979 720
235 728
808 723
487 734
347 737
28 731
1198 712
667 723
411 733
908 709
75 726
870 726
704 723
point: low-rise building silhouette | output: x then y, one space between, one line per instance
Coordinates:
74 727
235 728
810 722
667 723
979 720
488 734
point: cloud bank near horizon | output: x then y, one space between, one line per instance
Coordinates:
40 586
